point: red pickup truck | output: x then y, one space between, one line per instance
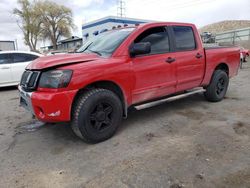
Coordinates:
94 88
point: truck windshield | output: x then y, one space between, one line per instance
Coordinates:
105 43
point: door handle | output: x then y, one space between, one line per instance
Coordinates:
170 60
5 68
198 56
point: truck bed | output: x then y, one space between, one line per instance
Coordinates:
221 54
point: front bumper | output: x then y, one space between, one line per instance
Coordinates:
48 106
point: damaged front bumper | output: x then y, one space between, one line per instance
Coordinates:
48 106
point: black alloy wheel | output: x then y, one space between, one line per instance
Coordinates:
96 115
102 116
217 88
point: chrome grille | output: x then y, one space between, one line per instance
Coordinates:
29 80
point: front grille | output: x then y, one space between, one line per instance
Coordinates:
29 80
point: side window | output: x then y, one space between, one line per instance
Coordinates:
184 38
4 59
158 38
21 57
18 57
31 57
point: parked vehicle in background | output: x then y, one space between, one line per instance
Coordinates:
122 68
244 54
12 66
56 52
207 37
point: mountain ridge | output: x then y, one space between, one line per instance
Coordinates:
226 25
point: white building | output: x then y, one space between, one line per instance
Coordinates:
6 45
96 27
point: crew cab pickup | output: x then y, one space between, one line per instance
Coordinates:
121 68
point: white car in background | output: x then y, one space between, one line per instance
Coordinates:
12 66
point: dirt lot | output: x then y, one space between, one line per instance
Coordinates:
185 143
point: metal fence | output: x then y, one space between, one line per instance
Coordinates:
236 37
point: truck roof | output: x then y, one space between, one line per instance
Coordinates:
166 23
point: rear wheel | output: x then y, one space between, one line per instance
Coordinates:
96 115
217 89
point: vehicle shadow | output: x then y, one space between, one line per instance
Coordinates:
158 111
63 133
8 88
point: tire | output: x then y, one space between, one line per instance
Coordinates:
96 115
217 88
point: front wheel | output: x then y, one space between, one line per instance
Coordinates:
96 115
217 88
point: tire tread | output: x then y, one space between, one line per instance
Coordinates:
210 93
77 109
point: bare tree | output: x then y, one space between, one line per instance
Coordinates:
57 20
30 23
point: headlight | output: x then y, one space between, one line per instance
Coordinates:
55 79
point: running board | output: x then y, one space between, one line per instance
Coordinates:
180 96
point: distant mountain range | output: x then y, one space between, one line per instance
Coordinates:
223 26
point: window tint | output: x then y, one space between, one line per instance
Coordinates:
31 57
158 38
21 57
184 38
4 59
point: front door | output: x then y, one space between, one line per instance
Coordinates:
5 69
154 76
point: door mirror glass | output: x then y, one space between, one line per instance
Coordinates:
140 48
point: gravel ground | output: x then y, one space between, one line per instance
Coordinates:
184 143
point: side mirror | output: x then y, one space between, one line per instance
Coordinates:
140 48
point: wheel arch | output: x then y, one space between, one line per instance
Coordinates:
105 84
211 70
222 66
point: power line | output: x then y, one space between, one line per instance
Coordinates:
121 9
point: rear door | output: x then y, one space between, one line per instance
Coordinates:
20 62
154 76
5 69
190 59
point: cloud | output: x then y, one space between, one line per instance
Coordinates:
200 12
9 29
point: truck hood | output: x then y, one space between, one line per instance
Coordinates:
60 60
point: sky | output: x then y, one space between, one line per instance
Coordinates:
199 12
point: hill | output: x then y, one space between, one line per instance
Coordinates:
226 25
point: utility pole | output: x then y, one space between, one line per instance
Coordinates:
16 48
121 8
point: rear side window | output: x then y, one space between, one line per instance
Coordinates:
158 38
31 57
184 38
21 57
4 59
